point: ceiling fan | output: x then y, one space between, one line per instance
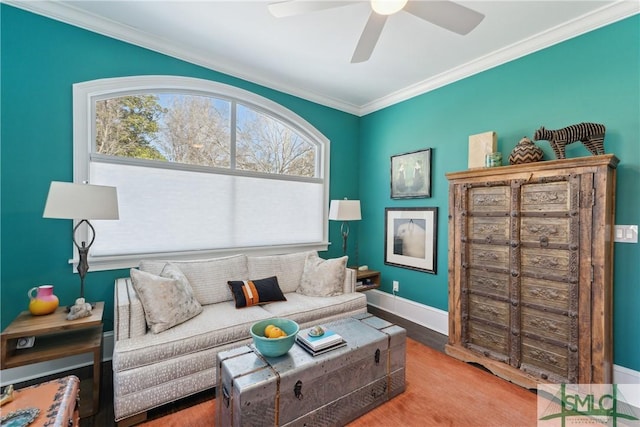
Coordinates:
446 14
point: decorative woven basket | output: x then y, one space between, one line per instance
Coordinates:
525 152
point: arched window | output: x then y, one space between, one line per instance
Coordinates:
202 169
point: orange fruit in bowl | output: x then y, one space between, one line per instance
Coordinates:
267 330
276 332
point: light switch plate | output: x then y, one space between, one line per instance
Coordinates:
626 234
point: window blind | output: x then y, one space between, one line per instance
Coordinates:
165 210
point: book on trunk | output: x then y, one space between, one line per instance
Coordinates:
320 344
324 350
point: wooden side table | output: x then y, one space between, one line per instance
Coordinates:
55 338
371 277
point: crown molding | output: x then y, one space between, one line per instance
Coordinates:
568 30
79 18
70 15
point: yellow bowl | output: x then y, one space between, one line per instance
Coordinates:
274 347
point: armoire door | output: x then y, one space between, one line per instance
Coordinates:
520 255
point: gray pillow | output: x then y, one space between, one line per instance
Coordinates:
322 278
166 301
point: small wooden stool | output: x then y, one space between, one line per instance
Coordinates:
57 400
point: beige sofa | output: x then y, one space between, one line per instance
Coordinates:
152 369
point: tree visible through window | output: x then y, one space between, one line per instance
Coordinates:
128 126
197 130
266 145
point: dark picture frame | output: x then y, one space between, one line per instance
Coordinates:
411 175
411 238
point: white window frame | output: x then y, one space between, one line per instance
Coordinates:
85 95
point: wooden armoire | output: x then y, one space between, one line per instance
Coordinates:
530 269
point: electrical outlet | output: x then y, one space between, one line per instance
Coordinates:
396 286
25 342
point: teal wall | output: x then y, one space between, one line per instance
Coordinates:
41 60
594 77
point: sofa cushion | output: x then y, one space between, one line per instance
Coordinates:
218 325
167 302
255 292
207 277
323 278
287 268
304 309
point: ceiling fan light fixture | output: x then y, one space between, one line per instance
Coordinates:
387 7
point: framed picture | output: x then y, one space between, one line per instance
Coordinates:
410 238
411 175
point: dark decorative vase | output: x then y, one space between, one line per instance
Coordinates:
525 152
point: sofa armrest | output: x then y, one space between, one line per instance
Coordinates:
349 281
128 316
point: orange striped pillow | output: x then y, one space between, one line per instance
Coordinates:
255 292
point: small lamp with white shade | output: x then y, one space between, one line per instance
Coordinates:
345 210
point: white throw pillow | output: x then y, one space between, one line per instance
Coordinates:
172 271
166 301
323 278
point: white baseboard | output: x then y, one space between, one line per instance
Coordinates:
438 320
622 375
629 384
429 317
38 370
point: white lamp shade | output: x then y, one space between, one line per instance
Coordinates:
345 210
67 200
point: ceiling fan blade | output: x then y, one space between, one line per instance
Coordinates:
298 7
369 38
446 14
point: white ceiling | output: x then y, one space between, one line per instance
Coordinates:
309 55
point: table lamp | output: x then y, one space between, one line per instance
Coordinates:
345 210
82 202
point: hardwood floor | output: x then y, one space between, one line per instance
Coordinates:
416 332
443 391
420 334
